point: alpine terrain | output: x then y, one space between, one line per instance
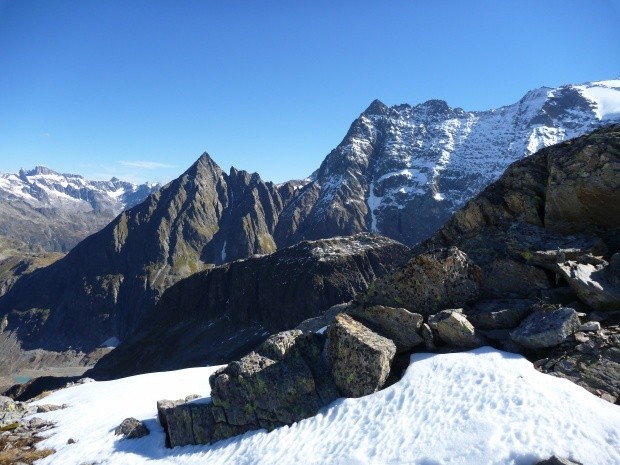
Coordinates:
399 171
56 211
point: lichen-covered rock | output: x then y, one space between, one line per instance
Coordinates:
397 324
593 282
132 428
499 314
546 328
359 359
454 329
186 422
429 282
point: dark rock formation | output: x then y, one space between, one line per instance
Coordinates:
430 282
222 313
499 314
558 461
546 328
359 359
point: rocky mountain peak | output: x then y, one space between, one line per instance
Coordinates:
376 107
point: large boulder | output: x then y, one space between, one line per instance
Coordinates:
131 428
546 328
359 359
499 314
582 192
455 330
593 282
397 324
258 392
428 283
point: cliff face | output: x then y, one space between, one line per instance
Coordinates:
222 312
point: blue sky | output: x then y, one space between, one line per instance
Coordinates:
139 89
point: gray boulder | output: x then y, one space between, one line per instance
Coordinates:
359 359
592 280
132 428
546 328
499 314
455 330
397 324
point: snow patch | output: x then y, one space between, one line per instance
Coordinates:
482 407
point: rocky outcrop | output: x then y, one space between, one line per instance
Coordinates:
359 359
591 360
428 283
593 282
286 379
223 313
546 328
454 329
554 460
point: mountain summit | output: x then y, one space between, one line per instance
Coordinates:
402 171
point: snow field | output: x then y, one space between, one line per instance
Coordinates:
478 407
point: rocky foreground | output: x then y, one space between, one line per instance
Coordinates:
529 266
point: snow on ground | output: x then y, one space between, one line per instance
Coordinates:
478 407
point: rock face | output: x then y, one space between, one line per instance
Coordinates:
430 282
455 330
546 328
56 211
402 171
359 358
225 312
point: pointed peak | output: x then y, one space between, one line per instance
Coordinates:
377 107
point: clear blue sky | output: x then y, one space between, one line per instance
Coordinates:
139 89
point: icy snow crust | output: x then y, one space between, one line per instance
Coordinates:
433 151
479 407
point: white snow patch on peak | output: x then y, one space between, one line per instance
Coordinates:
490 407
605 95
111 342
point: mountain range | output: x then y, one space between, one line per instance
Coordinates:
400 171
55 211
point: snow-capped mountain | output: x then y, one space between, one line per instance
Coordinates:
43 187
403 170
55 211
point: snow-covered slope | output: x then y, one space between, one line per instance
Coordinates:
55 211
402 171
479 407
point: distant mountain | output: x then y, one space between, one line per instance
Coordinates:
55 211
400 171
